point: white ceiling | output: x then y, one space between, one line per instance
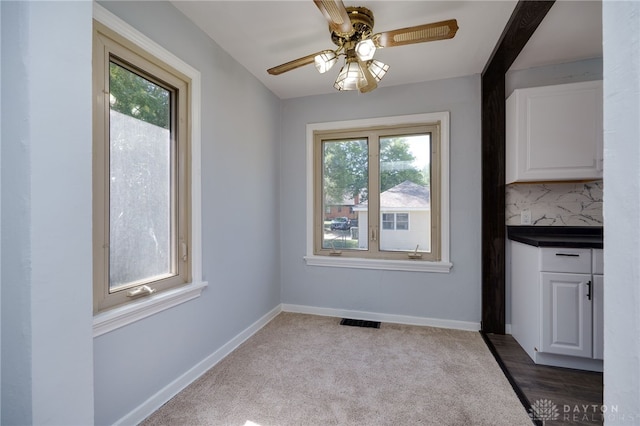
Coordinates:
263 34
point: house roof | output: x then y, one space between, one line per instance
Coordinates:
405 196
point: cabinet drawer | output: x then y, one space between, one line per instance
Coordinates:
569 260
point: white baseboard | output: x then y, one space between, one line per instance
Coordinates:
373 316
172 389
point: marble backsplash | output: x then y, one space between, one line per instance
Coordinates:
555 204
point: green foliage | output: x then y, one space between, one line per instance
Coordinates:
345 172
345 169
396 164
138 97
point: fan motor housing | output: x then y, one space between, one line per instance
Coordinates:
362 23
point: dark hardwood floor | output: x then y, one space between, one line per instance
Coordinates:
576 394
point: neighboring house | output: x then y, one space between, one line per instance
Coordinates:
405 221
342 208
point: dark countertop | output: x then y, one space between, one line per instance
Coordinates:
558 236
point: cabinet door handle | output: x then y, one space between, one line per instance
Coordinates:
568 254
589 289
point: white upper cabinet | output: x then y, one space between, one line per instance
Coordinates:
554 133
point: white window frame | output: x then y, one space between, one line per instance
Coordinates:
407 221
395 221
442 266
136 310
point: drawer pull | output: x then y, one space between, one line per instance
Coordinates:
589 290
568 254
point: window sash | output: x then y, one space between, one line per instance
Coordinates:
110 47
374 217
137 179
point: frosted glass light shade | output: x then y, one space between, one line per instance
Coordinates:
377 69
325 60
350 77
365 49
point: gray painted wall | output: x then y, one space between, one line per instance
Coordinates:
240 172
621 39
453 296
571 72
0 217
47 361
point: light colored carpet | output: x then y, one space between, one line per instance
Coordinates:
310 370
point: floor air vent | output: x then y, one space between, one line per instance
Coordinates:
360 323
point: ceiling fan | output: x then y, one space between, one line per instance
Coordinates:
351 30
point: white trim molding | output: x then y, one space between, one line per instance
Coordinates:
115 318
390 318
119 317
444 265
384 264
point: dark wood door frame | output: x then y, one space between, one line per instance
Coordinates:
524 20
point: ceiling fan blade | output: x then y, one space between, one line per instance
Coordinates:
336 14
291 65
371 81
419 34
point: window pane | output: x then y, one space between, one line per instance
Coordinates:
140 180
387 221
405 187
345 173
402 221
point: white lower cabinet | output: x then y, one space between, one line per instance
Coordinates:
556 309
566 314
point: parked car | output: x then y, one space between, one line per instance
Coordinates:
343 223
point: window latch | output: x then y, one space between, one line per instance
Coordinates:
184 251
373 233
141 291
334 252
415 254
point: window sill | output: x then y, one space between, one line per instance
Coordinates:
115 318
388 265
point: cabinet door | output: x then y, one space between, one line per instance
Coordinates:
566 314
598 316
554 133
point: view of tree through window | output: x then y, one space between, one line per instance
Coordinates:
405 192
140 179
345 181
138 97
403 171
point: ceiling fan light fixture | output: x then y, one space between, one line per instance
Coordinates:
325 60
351 29
365 49
350 76
378 69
